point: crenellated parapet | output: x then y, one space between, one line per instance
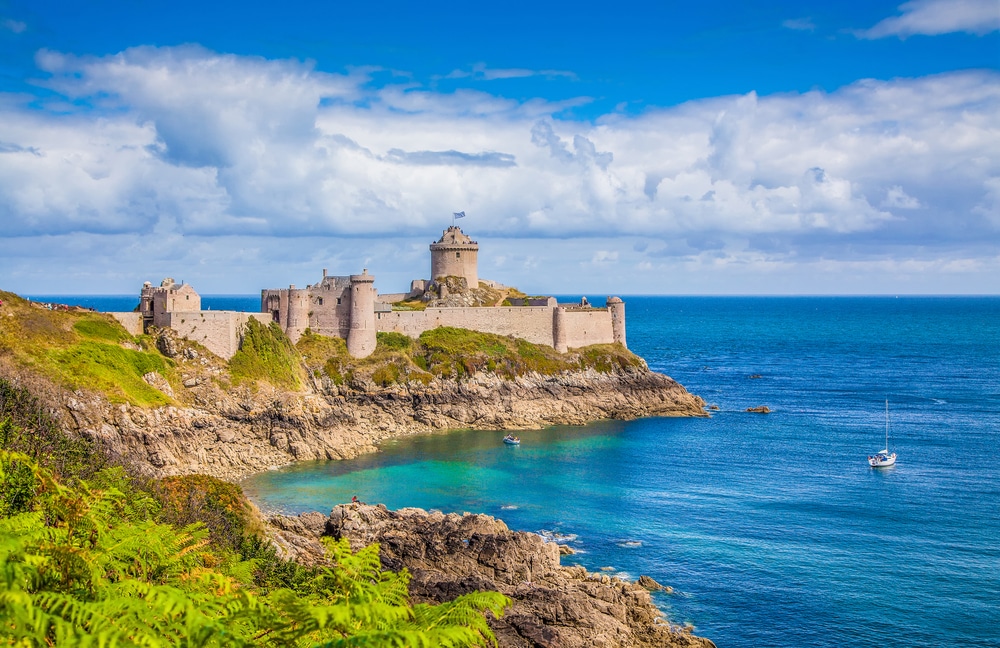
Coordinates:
455 255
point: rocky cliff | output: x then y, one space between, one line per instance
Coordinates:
233 432
449 555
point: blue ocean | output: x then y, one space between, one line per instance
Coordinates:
772 528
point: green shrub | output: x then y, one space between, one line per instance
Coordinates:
219 505
266 354
388 340
27 428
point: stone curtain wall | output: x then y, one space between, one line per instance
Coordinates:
218 331
586 327
130 321
532 323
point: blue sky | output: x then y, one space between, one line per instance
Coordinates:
723 148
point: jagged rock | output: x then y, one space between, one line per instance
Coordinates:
760 409
246 431
566 550
166 343
653 586
297 537
450 555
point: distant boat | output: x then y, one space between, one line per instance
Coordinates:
882 458
510 439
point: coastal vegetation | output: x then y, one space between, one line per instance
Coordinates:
453 353
83 349
266 353
90 555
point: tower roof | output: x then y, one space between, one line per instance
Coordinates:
454 236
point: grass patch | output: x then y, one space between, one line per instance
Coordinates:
113 370
101 329
453 353
266 354
82 350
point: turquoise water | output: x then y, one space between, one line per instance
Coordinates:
773 529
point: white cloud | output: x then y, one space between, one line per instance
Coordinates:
164 146
481 72
15 26
934 17
896 198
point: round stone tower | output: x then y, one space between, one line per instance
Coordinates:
455 255
617 308
361 336
297 318
559 329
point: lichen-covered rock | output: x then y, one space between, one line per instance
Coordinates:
553 606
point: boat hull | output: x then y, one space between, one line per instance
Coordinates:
882 462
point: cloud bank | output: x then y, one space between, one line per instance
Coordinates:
172 144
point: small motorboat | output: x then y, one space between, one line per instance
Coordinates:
510 439
883 458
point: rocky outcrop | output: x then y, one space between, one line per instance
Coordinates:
760 409
231 433
450 555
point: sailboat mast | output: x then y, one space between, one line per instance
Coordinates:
887 425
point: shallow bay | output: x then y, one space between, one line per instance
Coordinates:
772 528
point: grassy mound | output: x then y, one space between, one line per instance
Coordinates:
83 350
453 353
266 354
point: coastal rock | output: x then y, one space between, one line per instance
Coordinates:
653 586
237 431
553 606
760 409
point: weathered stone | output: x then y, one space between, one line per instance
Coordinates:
450 555
760 409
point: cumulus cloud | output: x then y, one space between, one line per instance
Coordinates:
933 17
178 144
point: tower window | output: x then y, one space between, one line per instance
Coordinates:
458 255
338 301
320 301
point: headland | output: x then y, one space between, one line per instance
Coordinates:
331 371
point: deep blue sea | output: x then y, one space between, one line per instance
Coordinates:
771 528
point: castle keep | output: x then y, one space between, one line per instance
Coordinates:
351 308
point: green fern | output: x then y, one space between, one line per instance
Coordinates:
88 565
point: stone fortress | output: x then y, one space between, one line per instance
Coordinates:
350 307
177 306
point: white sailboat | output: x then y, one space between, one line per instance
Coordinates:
883 458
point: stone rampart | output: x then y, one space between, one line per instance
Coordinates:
218 331
532 323
131 321
586 327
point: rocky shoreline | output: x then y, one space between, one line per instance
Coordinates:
449 555
234 433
